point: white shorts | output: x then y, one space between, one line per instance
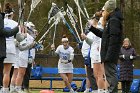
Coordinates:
65 68
10 58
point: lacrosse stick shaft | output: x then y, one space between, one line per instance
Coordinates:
29 15
70 29
46 32
77 34
54 33
85 9
72 18
73 21
76 2
80 18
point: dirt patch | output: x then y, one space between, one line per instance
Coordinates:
46 84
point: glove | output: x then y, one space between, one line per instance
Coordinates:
122 56
30 59
52 47
69 61
80 45
87 61
131 57
39 46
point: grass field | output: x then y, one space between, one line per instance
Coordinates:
55 91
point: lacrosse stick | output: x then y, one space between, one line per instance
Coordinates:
60 14
33 6
73 20
76 2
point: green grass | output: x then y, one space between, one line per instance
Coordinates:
36 91
59 91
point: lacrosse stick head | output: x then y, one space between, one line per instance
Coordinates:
55 13
73 18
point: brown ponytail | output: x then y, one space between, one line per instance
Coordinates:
8 8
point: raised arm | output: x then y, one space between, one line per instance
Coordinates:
4 32
96 31
26 47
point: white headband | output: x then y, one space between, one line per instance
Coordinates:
64 39
9 14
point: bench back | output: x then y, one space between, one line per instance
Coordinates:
136 72
51 70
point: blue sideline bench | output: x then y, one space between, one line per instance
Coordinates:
50 71
54 71
136 72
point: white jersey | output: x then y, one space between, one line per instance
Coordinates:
10 45
86 47
94 43
64 54
24 54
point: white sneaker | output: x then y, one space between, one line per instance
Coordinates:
0 91
94 91
106 91
5 90
20 91
86 91
73 91
12 91
27 91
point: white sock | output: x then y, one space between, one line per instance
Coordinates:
87 89
100 90
94 91
71 90
106 91
5 90
12 87
18 88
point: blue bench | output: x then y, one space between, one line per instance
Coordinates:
136 72
54 71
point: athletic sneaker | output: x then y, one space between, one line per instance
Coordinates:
19 91
6 90
72 91
94 91
86 91
0 91
12 90
27 91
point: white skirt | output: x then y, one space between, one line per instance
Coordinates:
95 57
10 58
65 67
22 63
